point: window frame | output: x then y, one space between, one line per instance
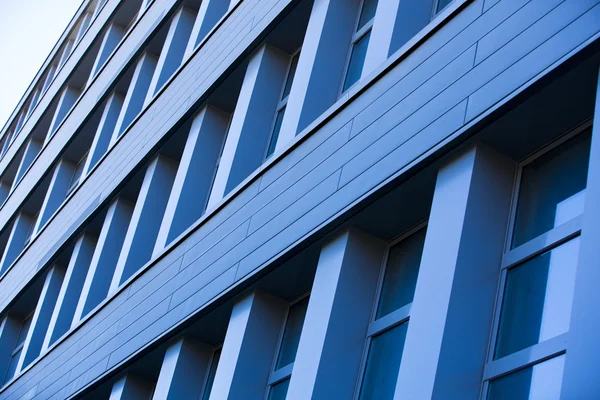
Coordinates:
18 347
356 36
282 102
515 257
75 182
278 375
378 326
210 364
30 233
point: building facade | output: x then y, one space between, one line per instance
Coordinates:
306 199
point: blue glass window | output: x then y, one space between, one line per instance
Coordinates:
537 299
367 13
211 374
279 390
442 4
541 381
383 364
357 61
291 334
552 189
402 269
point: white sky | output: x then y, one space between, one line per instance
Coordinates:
28 31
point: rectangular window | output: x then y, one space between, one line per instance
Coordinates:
287 87
442 4
16 354
387 331
288 347
360 43
538 280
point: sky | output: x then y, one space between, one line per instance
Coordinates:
29 30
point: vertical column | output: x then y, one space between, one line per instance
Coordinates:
57 191
249 348
145 220
183 370
134 100
131 387
49 77
16 240
85 22
41 316
172 50
9 332
66 53
103 135
67 99
209 14
321 65
112 37
339 310
396 22
104 260
32 149
194 175
245 146
34 100
583 347
445 348
79 264
4 191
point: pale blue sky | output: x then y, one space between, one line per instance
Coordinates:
28 31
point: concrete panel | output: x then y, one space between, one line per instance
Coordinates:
136 94
131 387
173 49
183 371
249 348
70 292
321 65
209 14
195 173
247 140
144 225
445 349
41 316
57 191
332 342
106 254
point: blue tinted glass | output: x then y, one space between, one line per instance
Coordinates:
537 299
24 329
367 12
275 134
552 189
291 334
12 367
442 4
290 77
357 61
279 391
383 364
211 374
401 274
542 381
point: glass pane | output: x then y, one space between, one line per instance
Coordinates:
537 299
357 61
275 134
24 329
291 334
211 374
541 382
12 367
290 77
442 4
383 364
367 13
552 189
401 273
279 391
